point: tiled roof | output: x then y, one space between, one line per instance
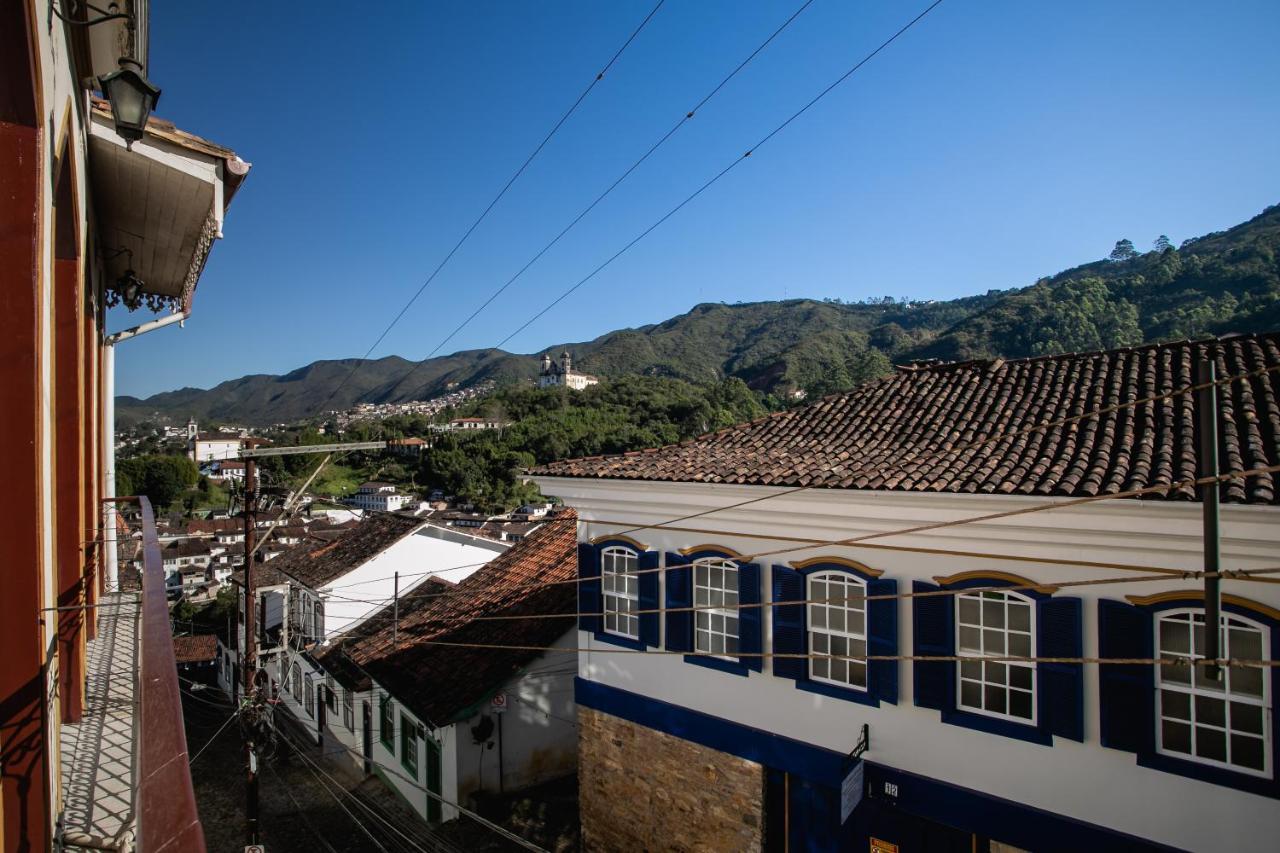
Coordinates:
442 683
890 434
314 564
201 648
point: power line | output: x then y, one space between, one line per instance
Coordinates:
493 203
843 598
721 173
214 737
601 197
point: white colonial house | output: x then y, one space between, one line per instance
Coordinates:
780 650
378 497
402 695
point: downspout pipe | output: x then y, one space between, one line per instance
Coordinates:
109 435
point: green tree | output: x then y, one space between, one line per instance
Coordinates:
1162 244
1123 251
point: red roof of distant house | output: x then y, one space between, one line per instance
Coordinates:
201 648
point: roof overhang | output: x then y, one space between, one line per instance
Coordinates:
164 201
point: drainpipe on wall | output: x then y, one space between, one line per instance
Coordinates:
109 434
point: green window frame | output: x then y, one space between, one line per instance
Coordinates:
387 722
409 746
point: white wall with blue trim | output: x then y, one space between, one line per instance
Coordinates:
1042 767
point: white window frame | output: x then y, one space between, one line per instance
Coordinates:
845 609
622 606
707 613
349 708
1224 695
981 681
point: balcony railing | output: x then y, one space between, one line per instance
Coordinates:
165 802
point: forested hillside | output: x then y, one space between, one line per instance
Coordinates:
1227 281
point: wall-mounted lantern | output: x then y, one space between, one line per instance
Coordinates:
132 99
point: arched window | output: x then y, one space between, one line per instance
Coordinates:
838 627
715 588
295 681
621 588
996 624
1223 723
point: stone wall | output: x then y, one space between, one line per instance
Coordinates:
640 789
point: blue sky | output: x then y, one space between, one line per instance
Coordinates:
994 143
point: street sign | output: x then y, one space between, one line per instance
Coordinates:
851 790
498 704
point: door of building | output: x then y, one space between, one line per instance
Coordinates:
433 779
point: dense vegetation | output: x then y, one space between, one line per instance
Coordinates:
161 478
1228 281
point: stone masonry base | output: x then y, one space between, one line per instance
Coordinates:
641 789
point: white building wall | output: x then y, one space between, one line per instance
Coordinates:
1080 780
539 738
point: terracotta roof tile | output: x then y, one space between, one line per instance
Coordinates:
442 683
201 648
888 434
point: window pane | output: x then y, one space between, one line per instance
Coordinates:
1247 752
995 699
704 620
836 618
993 642
1175 736
856 623
818 591
970 694
731 625
1020 645
1203 682
821 668
1246 718
1175 637
731 579
821 643
1211 710
700 598
970 669
818 618
858 674
839 670
839 646
1211 743
995 673
1020 704
731 645
1020 617
1020 676
1175 704
1245 644
969 611
1173 674
969 640
1247 680
858 648
993 614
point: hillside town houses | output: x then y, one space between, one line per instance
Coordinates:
779 570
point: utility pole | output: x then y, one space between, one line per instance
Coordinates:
1207 410
395 617
249 657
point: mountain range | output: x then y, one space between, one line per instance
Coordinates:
1228 281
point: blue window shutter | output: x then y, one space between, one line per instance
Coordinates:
750 619
1126 691
933 621
1060 632
649 626
788 624
679 594
882 639
589 599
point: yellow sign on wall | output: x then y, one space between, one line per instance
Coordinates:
878 846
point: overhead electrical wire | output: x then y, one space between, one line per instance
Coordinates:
688 115
502 192
707 185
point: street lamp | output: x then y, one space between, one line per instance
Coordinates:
132 98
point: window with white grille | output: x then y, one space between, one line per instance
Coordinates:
996 624
715 591
838 627
621 588
1225 723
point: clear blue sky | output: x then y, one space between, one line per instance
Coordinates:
994 143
